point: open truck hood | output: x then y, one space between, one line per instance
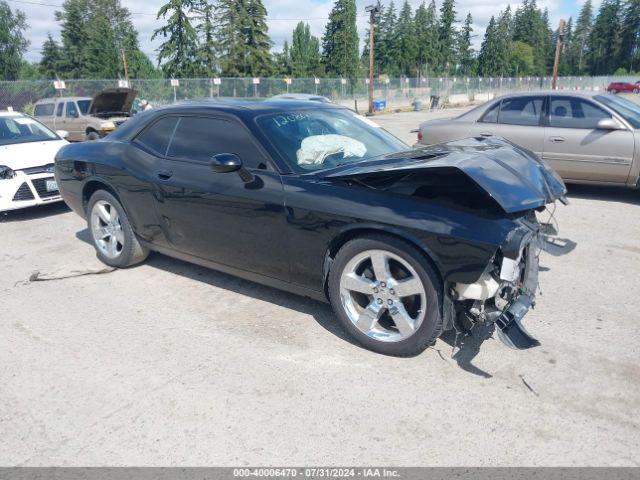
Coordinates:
515 178
112 100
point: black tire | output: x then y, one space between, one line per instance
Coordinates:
431 326
91 136
636 90
132 251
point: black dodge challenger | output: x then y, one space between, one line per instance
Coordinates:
317 200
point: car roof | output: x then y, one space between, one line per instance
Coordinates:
554 93
53 99
247 106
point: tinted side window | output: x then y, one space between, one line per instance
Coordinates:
570 112
521 111
491 115
72 110
43 110
156 137
59 110
198 139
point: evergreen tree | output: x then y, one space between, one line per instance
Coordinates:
100 51
531 27
73 19
578 46
388 34
605 39
51 58
177 54
340 41
282 61
567 62
406 47
204 11
139 64
305 52
447 35
495 53
464 51
427 37
630 41
487 59
258 60
231 16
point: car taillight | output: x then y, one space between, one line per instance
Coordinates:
420 136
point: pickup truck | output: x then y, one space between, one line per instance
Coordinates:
86 118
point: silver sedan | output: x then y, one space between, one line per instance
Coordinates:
587 137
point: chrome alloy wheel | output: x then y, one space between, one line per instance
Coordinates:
382 295
107 229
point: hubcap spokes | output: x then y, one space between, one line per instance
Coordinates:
383 295
107 229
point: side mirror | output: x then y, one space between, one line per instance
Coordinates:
225 163
609 124
62 133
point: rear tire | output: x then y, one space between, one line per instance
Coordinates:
113 238
401 315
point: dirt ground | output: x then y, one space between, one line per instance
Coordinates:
172 364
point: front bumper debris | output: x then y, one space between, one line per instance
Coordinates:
509 325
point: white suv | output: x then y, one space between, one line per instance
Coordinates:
27 152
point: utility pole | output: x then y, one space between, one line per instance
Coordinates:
124 62
556 61
373 11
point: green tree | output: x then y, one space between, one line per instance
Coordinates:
426 21
340 41
494 59
51 58
531 27
464 52
630 41
100 52
139 64
177 55
258 61
388 34
12 42
73 19
577 48
282 61
447 35
605 39
521 59
305 52
205 11
406 47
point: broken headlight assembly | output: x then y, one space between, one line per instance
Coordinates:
506 290
6 173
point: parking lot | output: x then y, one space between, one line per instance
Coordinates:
172 364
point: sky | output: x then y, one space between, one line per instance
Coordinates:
283 15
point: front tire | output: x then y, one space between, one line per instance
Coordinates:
92 136
386 295
113 238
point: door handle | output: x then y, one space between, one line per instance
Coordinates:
557 139
486 134
165 174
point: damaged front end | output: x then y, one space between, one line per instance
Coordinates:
505 291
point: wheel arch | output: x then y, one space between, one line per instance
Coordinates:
92 185
364 230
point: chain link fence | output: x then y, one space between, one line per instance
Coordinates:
396 92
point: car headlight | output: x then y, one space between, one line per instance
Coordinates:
107 126
6 173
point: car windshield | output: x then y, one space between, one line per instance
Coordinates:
625 108
83 105
18 129
312 140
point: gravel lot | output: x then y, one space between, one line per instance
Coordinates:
172 364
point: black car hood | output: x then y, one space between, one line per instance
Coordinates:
112 100
514 177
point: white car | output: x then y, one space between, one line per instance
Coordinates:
27 152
